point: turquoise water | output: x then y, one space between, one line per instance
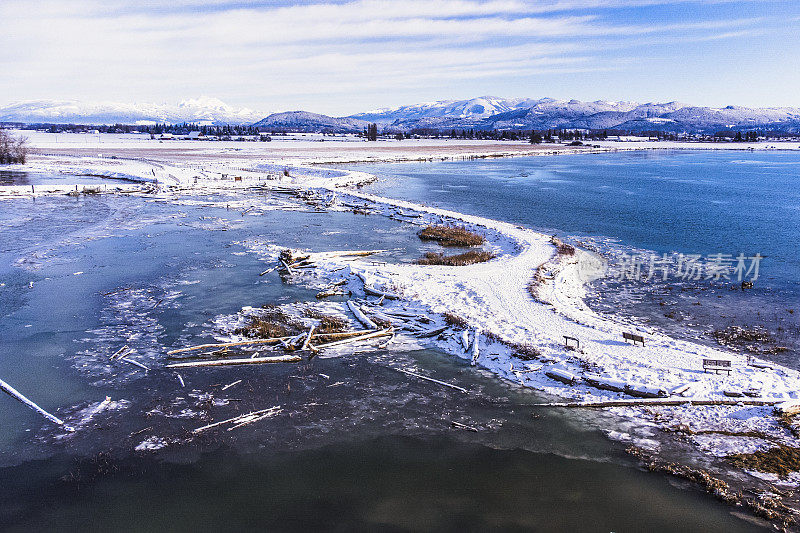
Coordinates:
364 448
644 203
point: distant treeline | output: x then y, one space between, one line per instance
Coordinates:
12 149
154 129
552 135
373 132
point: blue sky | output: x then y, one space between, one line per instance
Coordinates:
348 56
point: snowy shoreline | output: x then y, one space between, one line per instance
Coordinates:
494 299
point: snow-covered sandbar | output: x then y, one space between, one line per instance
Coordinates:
504 313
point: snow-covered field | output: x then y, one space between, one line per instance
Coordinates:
494 299
313 148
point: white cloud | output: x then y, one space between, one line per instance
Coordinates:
95 49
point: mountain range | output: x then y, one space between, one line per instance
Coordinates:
203 110
484 113
488 113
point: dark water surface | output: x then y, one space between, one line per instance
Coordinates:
391 483
361 447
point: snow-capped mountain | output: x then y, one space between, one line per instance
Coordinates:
488 112
576 114
305 121
485 113
481 107
475 111
203 110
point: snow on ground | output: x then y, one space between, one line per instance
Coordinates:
494 299
304 148
493 296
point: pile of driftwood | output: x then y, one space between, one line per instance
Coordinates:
289 263
123 355
308 196
309 342
360 206
378 323
414 323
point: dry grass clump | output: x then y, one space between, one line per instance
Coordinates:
287 256
681 428
381 322
755 340
526 352
790 423
538 279
327 323
272 323
455 321
565 249
451 236
713 485
562 248
781 460
740 335
467 258
764 506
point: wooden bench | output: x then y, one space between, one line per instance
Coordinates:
571 343
755 363
717 365
633 338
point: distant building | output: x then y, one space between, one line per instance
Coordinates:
194 135
167 136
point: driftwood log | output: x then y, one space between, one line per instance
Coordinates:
11 391
272 341
240 418
119 353
431 332
380 333
465 340
475 350
134 363
247 361
659 401
426 378
383 294
360 316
